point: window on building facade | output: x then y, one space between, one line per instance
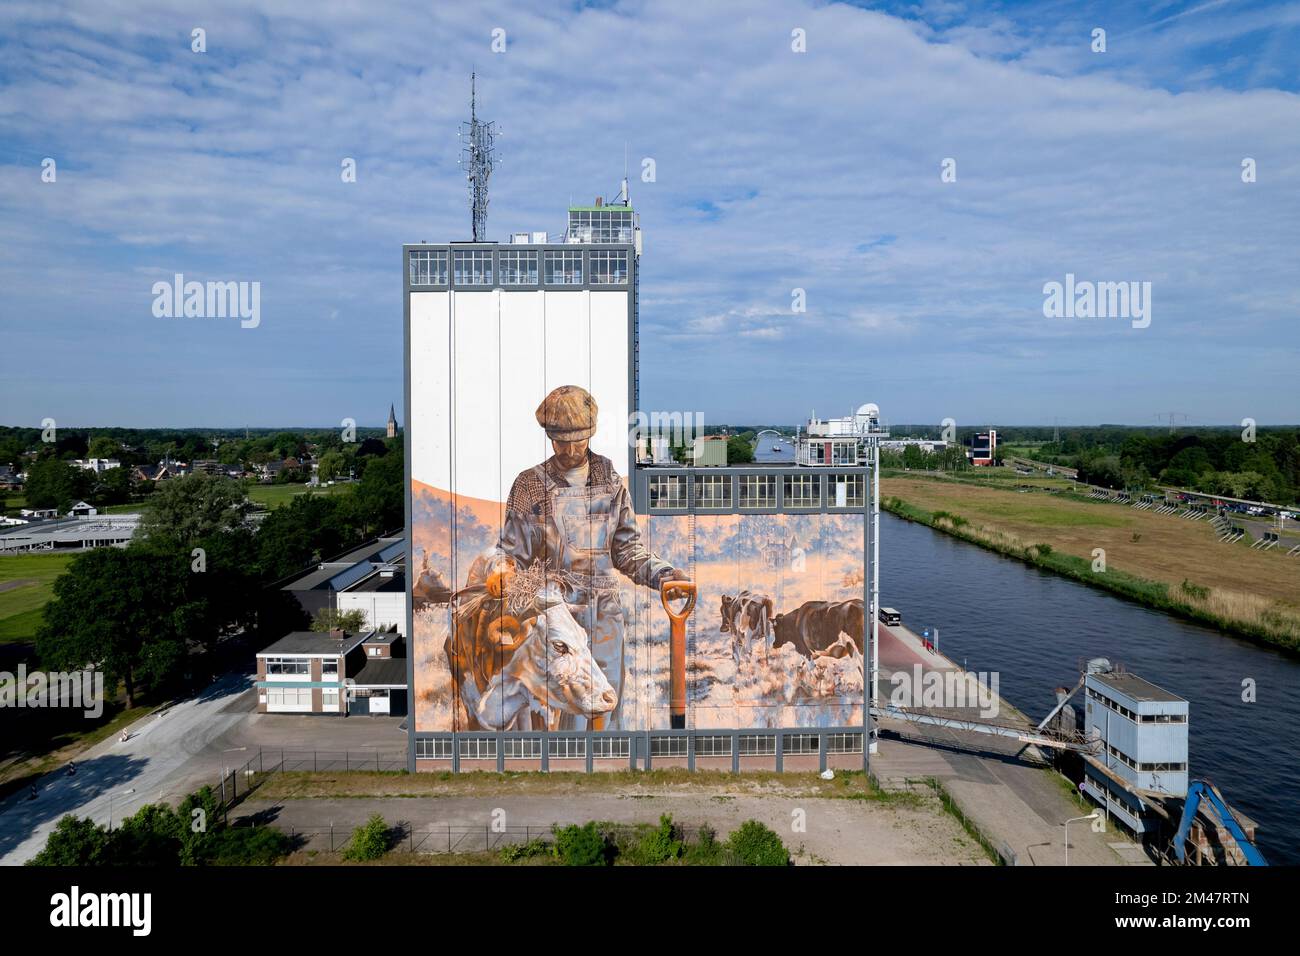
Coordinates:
564 267
478 748
329 667
437 749
801 744
608 267
600 225
523 748
803 491
611 746
567 747
846 491
473 267
713 745
280 666
758 745
713 491
519 267
329 699
844 743
758 491
667 491
668 746
288 696
429 267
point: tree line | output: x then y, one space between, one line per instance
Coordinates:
195 588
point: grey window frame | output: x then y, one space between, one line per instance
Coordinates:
422 264
478 276
765 481
437 748
669 746
675 481
706 502
789 482
564 276
611 748
601 265
511 270
757 745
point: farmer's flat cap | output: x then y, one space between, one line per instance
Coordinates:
568 414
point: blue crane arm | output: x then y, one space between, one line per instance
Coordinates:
1198 791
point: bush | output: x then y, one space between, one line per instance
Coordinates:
514 852
369 841
753 844
246 846
706 850
582 846
661 845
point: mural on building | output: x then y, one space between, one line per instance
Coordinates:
545 611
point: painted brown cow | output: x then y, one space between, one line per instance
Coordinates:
817 625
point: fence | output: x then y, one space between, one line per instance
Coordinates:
236 782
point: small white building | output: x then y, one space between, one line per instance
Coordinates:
97 465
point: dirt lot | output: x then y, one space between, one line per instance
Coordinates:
1166 548
908 829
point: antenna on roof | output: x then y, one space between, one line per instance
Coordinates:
478 148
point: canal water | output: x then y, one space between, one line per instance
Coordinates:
1034 629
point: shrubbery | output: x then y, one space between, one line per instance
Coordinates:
369 841
582 846
191 835
753 844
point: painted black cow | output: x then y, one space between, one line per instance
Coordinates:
816 625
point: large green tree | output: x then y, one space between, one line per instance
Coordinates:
122 611
54 484
183 510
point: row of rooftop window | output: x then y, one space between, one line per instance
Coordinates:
1136 718
486 268
677 745
717 492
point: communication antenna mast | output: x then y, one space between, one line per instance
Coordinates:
477 151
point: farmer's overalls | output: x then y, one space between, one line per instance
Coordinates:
586 536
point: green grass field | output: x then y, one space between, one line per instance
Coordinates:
271 497
21 607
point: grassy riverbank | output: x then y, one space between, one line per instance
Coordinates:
1257 614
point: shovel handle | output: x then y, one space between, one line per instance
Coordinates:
671 590
668 591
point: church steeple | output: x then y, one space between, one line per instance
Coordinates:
392 422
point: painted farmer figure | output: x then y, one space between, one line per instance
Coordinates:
573 513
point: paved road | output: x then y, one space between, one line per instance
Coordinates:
170 755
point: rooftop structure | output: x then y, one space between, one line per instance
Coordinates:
1142 729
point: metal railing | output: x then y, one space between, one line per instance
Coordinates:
239 781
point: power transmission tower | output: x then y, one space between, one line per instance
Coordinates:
478 148
1172 418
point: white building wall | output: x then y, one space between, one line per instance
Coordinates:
382 609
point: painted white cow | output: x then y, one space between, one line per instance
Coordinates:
550 673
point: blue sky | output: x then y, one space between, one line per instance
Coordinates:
775 170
